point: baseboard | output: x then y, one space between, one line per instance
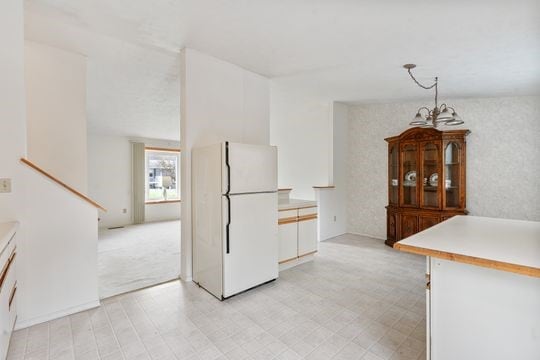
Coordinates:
333 236
21 324
368 235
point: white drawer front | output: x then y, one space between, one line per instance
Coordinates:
307 211
287 214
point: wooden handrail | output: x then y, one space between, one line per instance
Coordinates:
64 185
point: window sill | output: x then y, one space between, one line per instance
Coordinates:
162 202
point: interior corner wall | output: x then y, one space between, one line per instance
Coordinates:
12 106
55 82
301 128
503 152
109 178
219 101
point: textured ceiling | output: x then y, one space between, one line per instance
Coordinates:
348 51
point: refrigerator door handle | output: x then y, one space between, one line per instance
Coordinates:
227 225
228 167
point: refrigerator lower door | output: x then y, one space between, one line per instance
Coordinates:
252 241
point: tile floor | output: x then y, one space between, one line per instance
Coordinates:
138 256
357 300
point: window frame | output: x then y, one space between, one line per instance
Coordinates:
171 151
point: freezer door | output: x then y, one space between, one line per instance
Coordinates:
249 168
252 256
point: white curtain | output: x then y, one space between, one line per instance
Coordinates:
138 179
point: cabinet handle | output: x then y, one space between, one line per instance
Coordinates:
307 217
12 295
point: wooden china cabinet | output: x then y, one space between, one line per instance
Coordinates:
426 180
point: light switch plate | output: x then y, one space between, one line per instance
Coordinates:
5 185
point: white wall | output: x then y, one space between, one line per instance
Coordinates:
109 180
162 212
219 101
503 152
332 202
56 112
12 106
301 127
57 253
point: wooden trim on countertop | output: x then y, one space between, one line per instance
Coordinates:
161 202
309 253
287 220
325 187
298 208
287 260
61 183
472 260
307 217
153 148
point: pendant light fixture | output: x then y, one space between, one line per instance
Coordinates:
439 115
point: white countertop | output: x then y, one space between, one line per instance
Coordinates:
289 204
7 230
508 245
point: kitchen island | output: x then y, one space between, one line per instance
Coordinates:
483 288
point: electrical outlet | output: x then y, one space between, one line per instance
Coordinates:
5 185
335 218
124 211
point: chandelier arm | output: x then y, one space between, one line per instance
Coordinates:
426 108
422 86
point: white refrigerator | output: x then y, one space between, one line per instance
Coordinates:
234 217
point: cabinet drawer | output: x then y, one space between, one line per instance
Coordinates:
287 216
7 271
307 211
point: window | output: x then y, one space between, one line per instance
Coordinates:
162 175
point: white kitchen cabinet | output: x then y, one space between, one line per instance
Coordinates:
307 231
298 238
8 285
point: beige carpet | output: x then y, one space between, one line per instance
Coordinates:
138 256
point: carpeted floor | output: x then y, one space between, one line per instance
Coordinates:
138 256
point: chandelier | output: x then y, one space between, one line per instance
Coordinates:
439 115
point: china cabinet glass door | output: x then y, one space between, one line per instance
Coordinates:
452 169
393 175
430 173
409 174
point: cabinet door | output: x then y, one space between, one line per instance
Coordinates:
454 175
288 241
430 182
428 221
409 174
391 226
307 237
307 231
409 225
393 174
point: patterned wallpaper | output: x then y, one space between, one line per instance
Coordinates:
503 158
